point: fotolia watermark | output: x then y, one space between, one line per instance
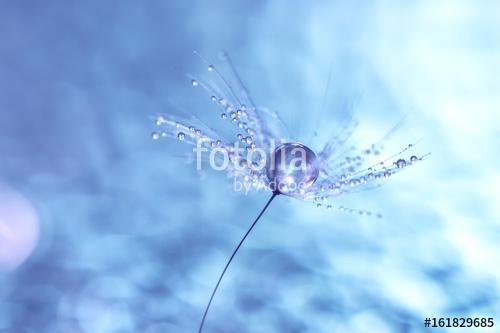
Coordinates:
253 168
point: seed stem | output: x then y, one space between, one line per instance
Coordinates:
232 257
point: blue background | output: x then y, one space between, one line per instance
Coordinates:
132 238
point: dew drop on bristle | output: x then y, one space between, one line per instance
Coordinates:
210 68
160 120
155 135
223 115
191 128
213 98
413 158
181 136
401 163
194 83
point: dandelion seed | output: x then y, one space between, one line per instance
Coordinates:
328 174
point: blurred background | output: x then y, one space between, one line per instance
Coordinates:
104 230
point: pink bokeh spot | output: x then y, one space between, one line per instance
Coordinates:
18 229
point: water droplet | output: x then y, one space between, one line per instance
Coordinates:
194 83
239 112
181 136
155 135
413 158
401 163
198 132
223 115
239 136
163 134
232 114
160 120
218 142
191 128
248 140
210 68
318 205
370 175
410 145
213 98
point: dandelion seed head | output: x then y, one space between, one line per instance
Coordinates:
330 172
